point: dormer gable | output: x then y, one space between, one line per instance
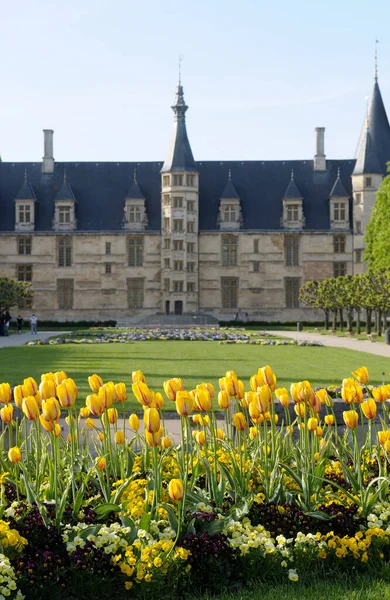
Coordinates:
230 215
293 217
65 208
25 201
339 205
135 217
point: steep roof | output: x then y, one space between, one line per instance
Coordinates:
374 145
26 192
100 189
230 191
292 192
179 156
338 190
65 193
134 192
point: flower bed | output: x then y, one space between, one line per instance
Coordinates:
102 511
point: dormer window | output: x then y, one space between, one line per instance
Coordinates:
64 214
339 205
339 211
24 213
25 207
229 213
292 206
292 213
135 217
230 216
65 208
134 214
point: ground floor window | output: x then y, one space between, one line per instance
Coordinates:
292 285
229 287
135 292
65 293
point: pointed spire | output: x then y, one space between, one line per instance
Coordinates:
230 191
65 192
135 193
338 189
376 61
292 192
26 192
180 156
374 145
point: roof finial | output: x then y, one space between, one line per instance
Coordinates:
230 174
292 174
25 175
180 61
376 61
64 174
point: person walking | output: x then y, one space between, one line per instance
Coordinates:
33 323
19 322
7 322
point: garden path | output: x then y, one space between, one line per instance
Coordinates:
13 339
378 348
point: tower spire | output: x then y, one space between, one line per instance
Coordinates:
376 61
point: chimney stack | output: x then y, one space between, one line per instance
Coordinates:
48 159
319 158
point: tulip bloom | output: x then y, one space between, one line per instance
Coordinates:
268 376
382 393
166 443
202 420
31 386
239 421
254 410
120 392
282 396
85 412
351 418
172 387
6 413
300 410
200 438
95 405
18 395
231 384
294 391
369 408
48 426
219 434
47 389
253 432
51 409
158 400
329 419
151 420
264 397
5 393
95 382
112 415
14 454
48 377
153 439
351 391
134 422
90 423
176 490
137 376
142 393
67 393
383 437
361 374
184 403
319 432
30 408
324 397
119 438
256 381
312 424
106 394
101 463
203 400
305 392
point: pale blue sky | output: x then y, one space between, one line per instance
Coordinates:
258 76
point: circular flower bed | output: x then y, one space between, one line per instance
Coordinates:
114 507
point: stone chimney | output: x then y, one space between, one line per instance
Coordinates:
48 159
319 157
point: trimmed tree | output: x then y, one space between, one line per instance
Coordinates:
12 293
377 238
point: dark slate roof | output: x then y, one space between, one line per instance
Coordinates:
230 191
134 192
26 192
100 189
374 145
65 193
338 190
180 156
292 192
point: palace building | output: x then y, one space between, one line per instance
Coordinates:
128 241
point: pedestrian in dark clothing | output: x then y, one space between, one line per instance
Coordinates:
19 322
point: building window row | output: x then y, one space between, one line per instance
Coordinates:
229 251
339 269
291 249
179 180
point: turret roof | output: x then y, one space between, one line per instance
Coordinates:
180 156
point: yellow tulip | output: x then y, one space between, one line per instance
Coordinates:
120 392
386 446
253 432
47 389
95 405
67 393
134 422
202 420
60 376
90 423
142 393
312 424
85 412
6 413
300 410
18 395
369 408
203 400
153 439
264 398
38 398
31 386
256 381
151 420
219 434
14 454
51 409
282 396
184 403
239 421
30 408
201 438
112 415
351 391
306 393
137 376
172 387
166 442
329 419
268 376
319 432
383 436
324 397
101 436
119 438
5 393
361 374
244 403
210 388
351 418
176 490
101 463
47 425
231 383
382 393
48 377
254 410
57 429
95 382
158 400
106 394
294 391
290 429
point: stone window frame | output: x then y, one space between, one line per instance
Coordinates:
108 269
178 265
293 216
191 205
339 244
339 213
291 250
178 225
191 182
178 286
178 202
256 246
358 256
190 226
291 291
256 266
191 267
64 251
65 293
229 292
21 208
229 208
24 272
24 243
64 208
339 269
135 217
135 292
108 248
178 245
135 251
229 250
191 286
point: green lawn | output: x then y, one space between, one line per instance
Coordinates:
194 362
